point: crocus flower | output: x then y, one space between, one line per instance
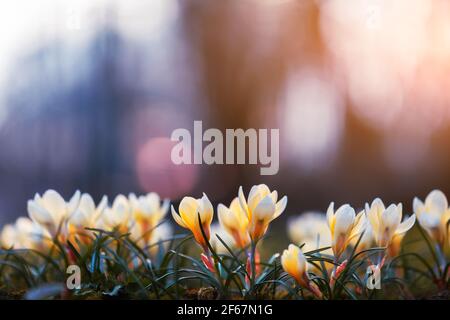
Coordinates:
51 211
344 225
235 222
148 212
87 213
387 225
261 208
189 210
118 216
24 234
85 216
434 215
295 264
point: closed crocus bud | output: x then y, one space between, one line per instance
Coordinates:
434 215
51 211
148 212
118 216
387 224
189 210
344 225
295 264
261 208
235 222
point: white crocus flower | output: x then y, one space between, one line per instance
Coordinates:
387 224
434 215
87 213
24 234
148 212
344 225
118 216
261 207
51 211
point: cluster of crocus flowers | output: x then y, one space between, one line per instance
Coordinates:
53 218
244 220
240 225
375 224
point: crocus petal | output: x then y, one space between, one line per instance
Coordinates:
428 221
39 214
206 209
74 201
165 208
280 207
177 218
242 200
188 211
55 205
257 193
378 206
372 216
227 218
391 217
406 225
274 196
417 205
265 209
437 200
330 215
345 217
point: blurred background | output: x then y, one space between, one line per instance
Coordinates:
90 92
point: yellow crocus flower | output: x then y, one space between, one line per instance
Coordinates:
189 210
295 264
148 212
344 225
387 225
261 208
235 222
